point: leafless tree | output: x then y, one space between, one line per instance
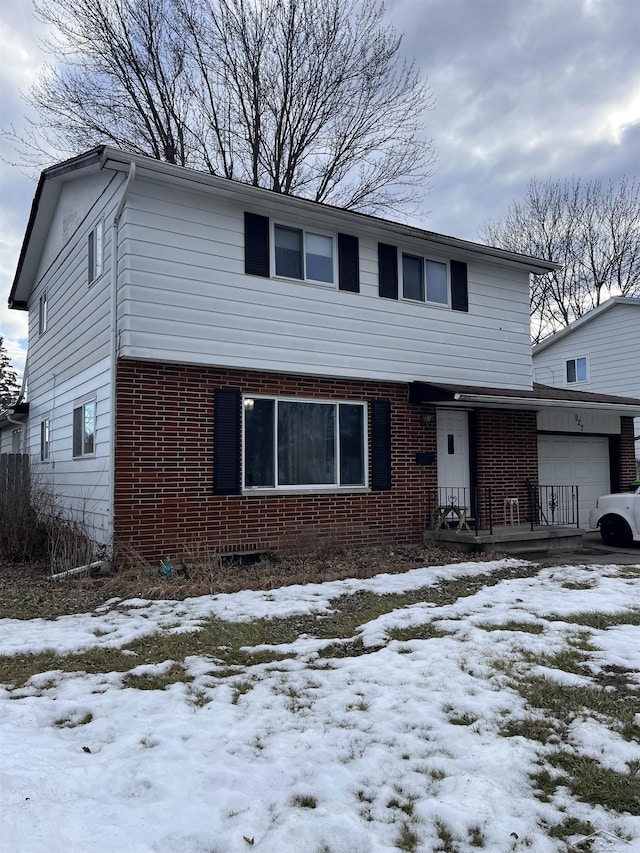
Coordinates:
592 229
306 97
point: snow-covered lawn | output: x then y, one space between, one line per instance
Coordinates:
411 734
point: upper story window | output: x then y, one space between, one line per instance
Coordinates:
84 429
303 443
576 369
424 280
95 252
305 255
43 314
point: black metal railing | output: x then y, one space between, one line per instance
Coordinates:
553 505
460 508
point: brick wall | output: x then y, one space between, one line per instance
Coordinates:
507 453
627 453
164 463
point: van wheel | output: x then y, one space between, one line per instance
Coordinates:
615 532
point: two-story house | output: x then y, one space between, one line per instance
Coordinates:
598 352
214 362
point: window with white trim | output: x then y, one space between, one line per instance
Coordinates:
292 444
305 255
44 440
84 429
576 369
43 313
95 252
424 280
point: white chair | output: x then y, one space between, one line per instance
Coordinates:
511 511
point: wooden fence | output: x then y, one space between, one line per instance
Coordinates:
14 480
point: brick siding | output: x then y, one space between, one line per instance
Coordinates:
627 453
164 462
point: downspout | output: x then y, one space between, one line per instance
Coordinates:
113 339
21 424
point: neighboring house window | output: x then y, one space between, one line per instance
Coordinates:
306 255
424 280
42 314
44 440
16 435
303 443
95 252
84 429
577 369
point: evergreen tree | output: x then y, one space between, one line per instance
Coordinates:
9 388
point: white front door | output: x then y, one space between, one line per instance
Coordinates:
453 450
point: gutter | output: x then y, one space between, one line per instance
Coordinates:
113 340
538 403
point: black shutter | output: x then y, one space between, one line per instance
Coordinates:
226 441
256 244
381 445
388 271
348 263
459 295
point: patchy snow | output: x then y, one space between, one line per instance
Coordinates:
405 734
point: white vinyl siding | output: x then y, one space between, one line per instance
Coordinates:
610 343
184 297
81 485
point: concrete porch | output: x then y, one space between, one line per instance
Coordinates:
516 539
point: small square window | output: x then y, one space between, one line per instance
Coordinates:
84 430
424 280
43 315
44 440
95 252
576 369
303 254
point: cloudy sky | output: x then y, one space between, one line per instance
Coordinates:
522 88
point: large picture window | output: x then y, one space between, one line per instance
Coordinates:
303 443
424 280
84 430
303 254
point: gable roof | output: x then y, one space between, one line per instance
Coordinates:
630 301
103 157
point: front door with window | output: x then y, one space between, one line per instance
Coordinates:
453 453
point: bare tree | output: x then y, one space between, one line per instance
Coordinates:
593 230
306 97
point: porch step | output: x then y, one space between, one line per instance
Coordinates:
507 539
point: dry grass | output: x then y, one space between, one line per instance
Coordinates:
27 590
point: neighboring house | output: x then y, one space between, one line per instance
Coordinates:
216 365
598 352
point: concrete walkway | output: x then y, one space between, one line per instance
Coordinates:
594 552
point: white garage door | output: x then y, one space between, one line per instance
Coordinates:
572 460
